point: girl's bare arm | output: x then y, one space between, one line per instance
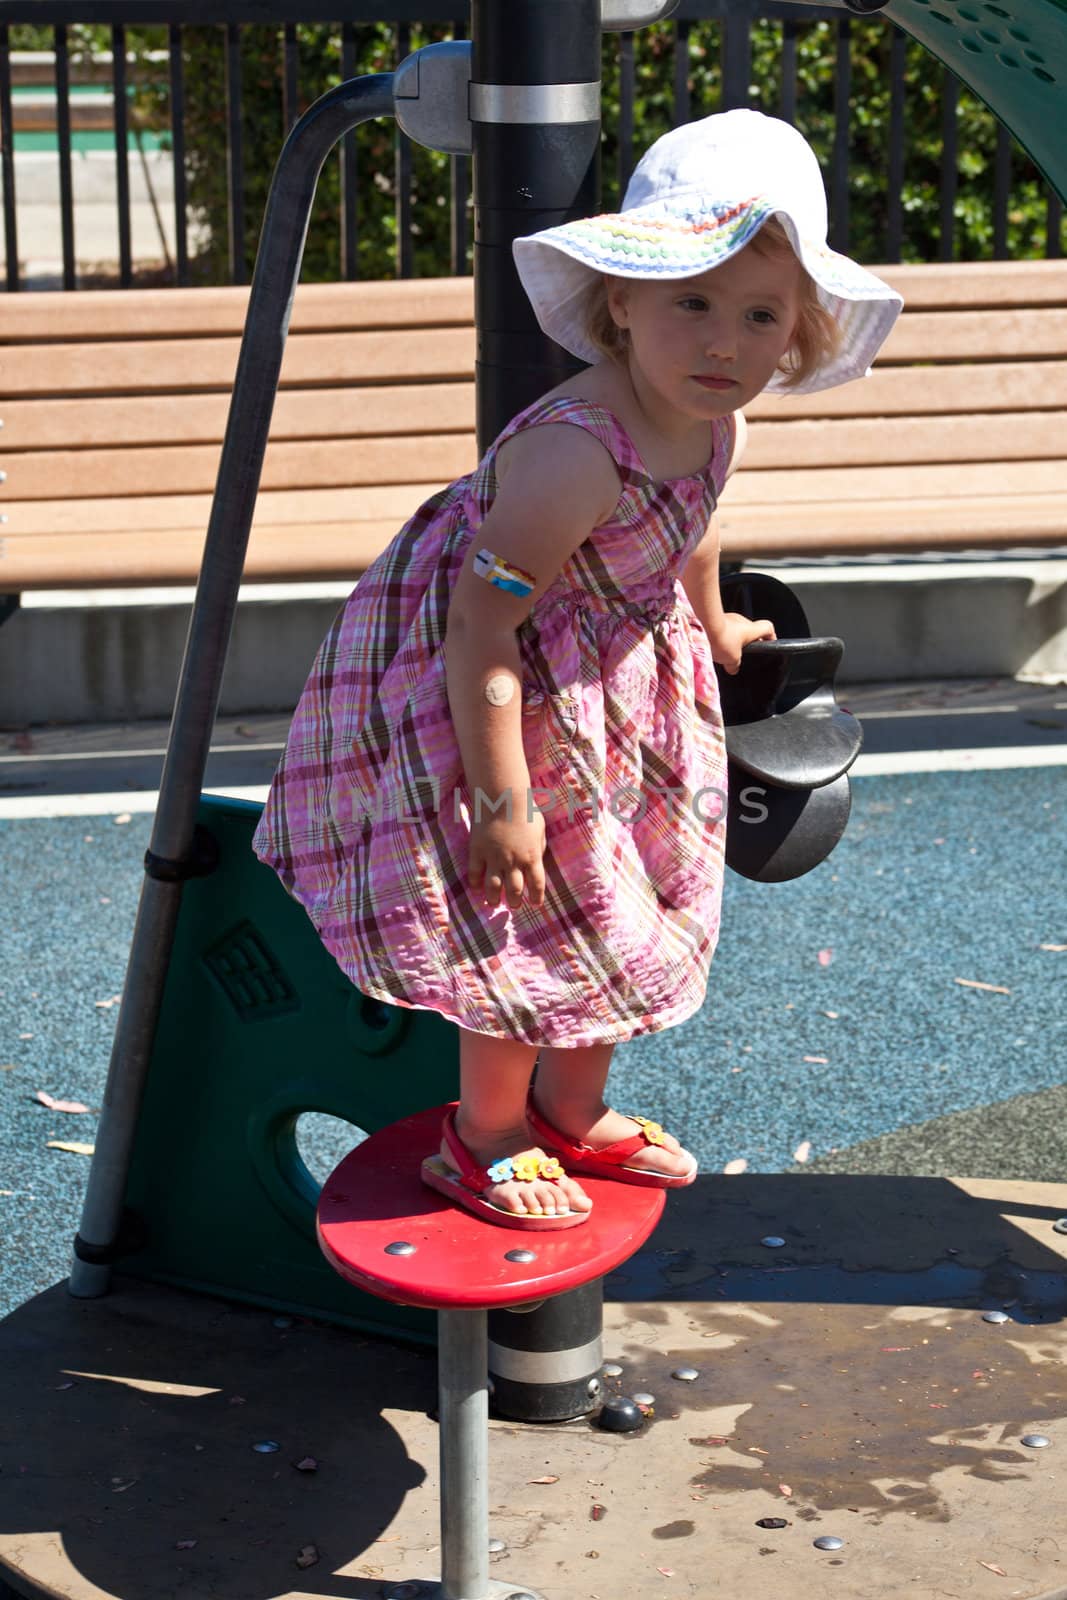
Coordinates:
557 484
728 632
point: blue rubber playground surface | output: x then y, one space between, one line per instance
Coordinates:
899 1010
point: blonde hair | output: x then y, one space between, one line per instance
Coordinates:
816 338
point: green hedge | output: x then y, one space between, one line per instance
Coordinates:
320 54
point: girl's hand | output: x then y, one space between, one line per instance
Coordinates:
734 632
505 859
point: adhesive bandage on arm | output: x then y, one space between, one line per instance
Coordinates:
500 689
502 575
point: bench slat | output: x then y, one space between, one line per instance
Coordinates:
94 314
861 441
341 550
319 463
140 366
926 391
432 407
976 284
967 335
866 486
178 469
858 488
963 523
160 513
201 418
165 313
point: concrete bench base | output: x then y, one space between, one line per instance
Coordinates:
113 655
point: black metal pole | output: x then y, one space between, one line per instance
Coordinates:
172 855
535 110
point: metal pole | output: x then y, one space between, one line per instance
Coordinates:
172 855
535 110
463 1396
535 114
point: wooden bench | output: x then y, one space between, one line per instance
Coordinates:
114 403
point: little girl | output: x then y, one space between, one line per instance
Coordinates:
503 793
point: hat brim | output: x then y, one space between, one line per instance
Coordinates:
680 239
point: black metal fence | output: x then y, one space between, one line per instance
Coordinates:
734 25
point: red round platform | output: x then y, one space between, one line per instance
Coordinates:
376 1197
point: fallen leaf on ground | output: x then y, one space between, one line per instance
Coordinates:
123 818
73 1145
105 1005
783 1488
308 1464
825 957
668 1572
973 983
185 1544
802 1151
818 1061
991 1566
548 1478
308 1556
740 1165
754 1450
75 1107
1052 947
833 1014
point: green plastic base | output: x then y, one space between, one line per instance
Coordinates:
258 1026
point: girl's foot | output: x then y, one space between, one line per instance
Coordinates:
659 1153
536 1197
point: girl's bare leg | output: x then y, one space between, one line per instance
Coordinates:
494 1082
570 1095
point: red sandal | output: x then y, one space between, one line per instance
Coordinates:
610 1160
467 1182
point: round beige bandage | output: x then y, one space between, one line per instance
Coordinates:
499 689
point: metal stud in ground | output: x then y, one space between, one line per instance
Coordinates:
772 1522
828 1541
619 1415
1060 1225
266 1447
642 1398
685 1374
773 1241
497 1547
611 1369
995 1316
1035 1441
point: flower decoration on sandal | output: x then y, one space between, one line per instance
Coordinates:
651 1130
528 1167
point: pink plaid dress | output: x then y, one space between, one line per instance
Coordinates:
367 822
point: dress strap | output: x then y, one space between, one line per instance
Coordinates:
582 414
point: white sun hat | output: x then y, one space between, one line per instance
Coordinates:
696 198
